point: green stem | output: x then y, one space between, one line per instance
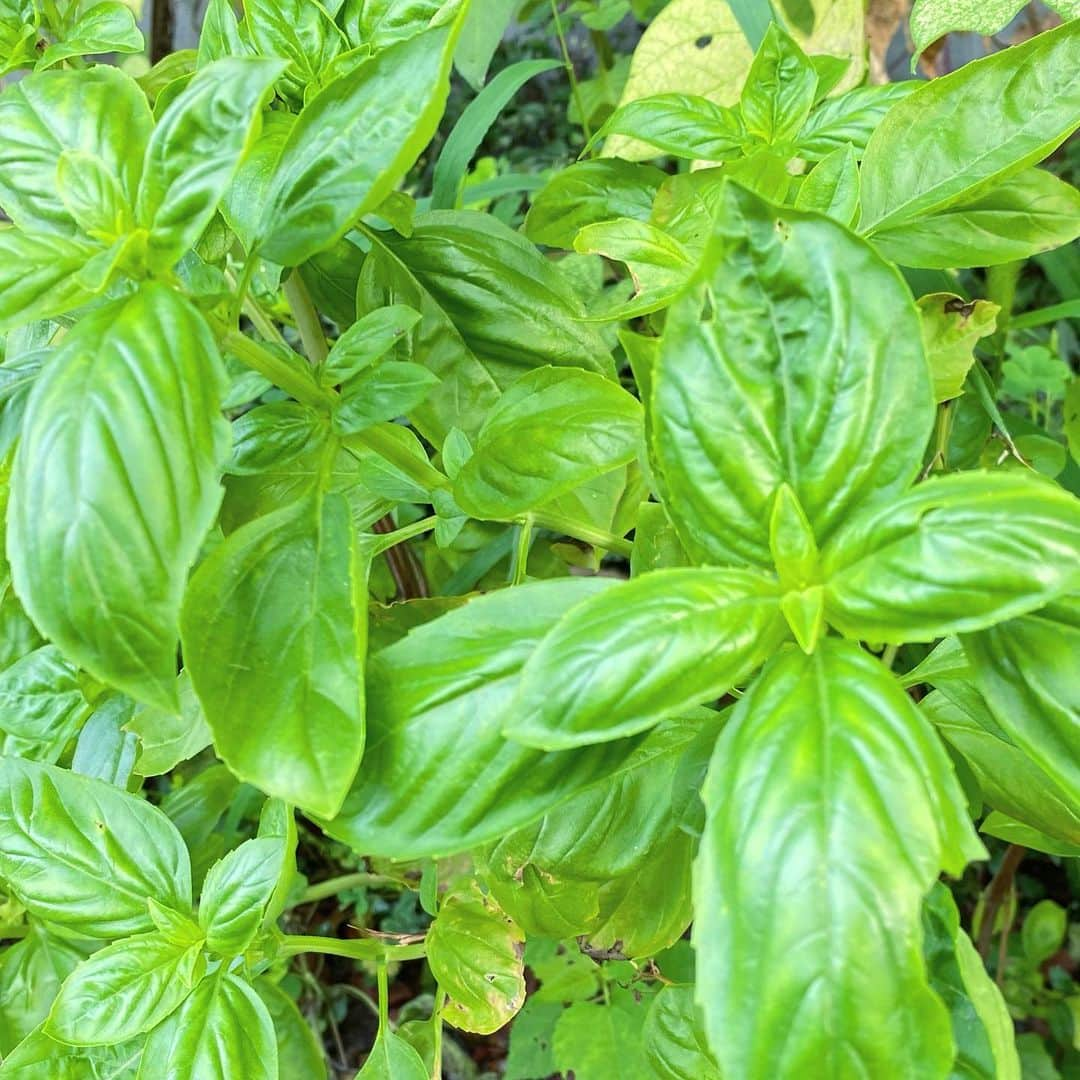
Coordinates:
571 74
521 554
278 371
384 998
888 657
386 446
352 949
307 318
332 886
241 288
580 531
436 1034
384 541
1068 310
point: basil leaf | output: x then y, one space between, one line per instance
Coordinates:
38 1057
438 776
645 650
102 28
236 893
221 1032
301 32
675 1038
369 339
1029 213
831 393
274 638
1024 669
955 554
958 135
167 737
392 1058
781 88
683 125
300 1052
40 276
380 393
93 195
832 187
245 199
101 111
115 485
848 120
41 699
85 855
195 150
589 192
219 35
105 750
952 328
474 952
553 430
353 142
125 989
827 781
273 435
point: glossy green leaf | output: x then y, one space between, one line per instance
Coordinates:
108 27
383 392
1024 668
40 1058
353 142
273 435
832 187
93 195
982 1026
40 276
1043 932
830 395
438 776
370 338
195 150
828 785
300 1052
955 554
274 638
236 893
392 1058
381 23
115 486
553 429
245 199
125 989
474 952
933 19
167 737
1025 215
219 35
104 750
597 1041
683 125
848 120
589 192
620 661
40 698
958 135
952 329
656 544
1017 832
781 89
221 1032
675 1043
63 836
301 32
101 111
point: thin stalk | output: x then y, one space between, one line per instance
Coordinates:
307 318
351 949
424 473
321 890
996 893
241 288
888 657
520 566
383 542
571 74
384 998
436 1034
580 531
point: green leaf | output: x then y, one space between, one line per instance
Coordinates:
683 125
369 339
125 989
832 187
40 1058
392 1058
848 120
951 330
485 25
437 701
589 192
958 135
955 554
828 785
624 659
830 395
597 1042
933 19
270 436
982 1027
103 28
381 23
300 1053
167 737
1024 669
196 149
1016 832
221 1032
40 276
675 1038
104 749
85 855
100 111
246 197
1025 215
656 544
781 89
474 952
41 699
298 31
383 392
468 133
353 142
553 429
274 638
93 195
1043 932
236 893
219 35
115 485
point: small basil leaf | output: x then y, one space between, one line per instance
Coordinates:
369 339
236 893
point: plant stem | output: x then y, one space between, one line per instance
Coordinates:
386 446
384 998
332 886
436 1034
580 531
241 288
996 894
307 318
383 542
352 949
888 657
521 555
568 63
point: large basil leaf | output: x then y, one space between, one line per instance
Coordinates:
107 27
195 150
40 276
300 1052
354 141
553 430
101 111
84 854
831 810
115 485
622 660
125 989
438 776
1029 213
675 1044
1026 671
222 1032
683 125
957 553
807 368
274 635
958 135
475 955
